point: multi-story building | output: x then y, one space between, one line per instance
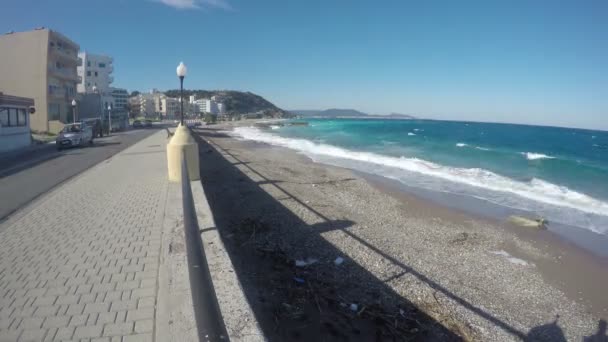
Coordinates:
96 77
41 65
96 72
120 98
221 108
143 105
135 106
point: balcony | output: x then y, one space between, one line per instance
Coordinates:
65 74
66 55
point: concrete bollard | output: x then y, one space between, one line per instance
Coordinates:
182 140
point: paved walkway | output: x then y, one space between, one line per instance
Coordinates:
81 262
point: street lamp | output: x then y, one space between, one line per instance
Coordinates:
181 73
109 118
74 110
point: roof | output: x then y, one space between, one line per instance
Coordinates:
10 100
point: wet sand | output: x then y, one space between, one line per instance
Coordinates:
440 260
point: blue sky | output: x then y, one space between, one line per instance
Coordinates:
542 62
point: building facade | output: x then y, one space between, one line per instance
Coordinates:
14 122
96 73
41 65
120 98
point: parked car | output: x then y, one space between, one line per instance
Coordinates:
147 123
76 134
137 124
96 125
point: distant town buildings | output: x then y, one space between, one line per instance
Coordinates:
204 106
41 65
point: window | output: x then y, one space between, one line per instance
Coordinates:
13 117
4 117
102 65
89 64
22 116
95 73
88 73
54 111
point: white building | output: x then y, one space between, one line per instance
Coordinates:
95 71
96 77
221 108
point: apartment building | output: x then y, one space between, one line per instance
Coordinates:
41 65
120 98
167 107
142 105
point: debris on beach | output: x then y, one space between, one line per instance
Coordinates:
307 262
298 280
354 307
540 223
339 261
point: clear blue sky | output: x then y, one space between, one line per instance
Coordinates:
515 61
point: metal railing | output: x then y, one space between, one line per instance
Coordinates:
209 321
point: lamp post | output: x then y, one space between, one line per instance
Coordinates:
181 73
74 110
109 118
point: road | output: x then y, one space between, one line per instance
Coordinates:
24 178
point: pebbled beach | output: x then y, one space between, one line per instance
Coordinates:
411 269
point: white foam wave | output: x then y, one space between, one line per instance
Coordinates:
275 126
547 194
410 134
461 145
482 148
536 156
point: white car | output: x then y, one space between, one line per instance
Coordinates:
76 134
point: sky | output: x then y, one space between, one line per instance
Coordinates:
519 61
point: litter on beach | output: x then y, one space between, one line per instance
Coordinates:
338 261
304 263
540 223
354 307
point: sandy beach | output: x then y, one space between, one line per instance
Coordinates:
325 253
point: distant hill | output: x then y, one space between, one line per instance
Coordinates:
400 116
333 112
237 102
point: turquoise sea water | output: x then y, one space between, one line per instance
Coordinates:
558 173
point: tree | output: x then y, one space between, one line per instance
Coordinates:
135 93
210 118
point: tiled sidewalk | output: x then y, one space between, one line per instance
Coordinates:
81 263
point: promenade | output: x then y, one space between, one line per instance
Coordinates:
81 262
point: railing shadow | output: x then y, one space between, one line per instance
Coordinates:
263 237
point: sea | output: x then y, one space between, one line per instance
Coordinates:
560 174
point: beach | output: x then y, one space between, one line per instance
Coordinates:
327 253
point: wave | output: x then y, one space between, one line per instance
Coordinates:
275 126
476 147
411 134
535 156
535 190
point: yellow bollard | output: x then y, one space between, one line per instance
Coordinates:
182 140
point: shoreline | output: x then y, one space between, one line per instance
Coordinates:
448 250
